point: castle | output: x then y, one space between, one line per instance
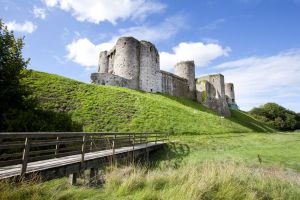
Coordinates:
135 64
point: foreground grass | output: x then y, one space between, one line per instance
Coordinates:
107 108
222 180
193 167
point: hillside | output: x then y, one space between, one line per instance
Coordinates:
107 108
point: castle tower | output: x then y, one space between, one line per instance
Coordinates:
186 69
150 77
126 59
103 62
229 92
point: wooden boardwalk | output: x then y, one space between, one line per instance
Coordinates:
59 154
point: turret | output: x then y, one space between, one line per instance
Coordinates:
126 59
186 70
229 92
103 62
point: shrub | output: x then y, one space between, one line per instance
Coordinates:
277 116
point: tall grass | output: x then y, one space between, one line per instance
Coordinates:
226 180
211 180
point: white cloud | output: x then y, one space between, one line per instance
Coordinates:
200 52
26 27
97 11
265 79
39 12
153 33
85 53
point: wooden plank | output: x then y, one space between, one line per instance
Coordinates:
10 155
52 143
38 152
11 146
10 162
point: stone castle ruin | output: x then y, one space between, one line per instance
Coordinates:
135 64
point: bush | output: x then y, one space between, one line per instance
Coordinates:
277 116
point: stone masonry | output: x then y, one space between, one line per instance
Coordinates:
135 64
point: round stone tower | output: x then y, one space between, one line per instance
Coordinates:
126 59
229 92
186 69
103 62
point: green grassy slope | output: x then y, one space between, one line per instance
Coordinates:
106 108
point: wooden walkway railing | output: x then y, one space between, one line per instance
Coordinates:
23 148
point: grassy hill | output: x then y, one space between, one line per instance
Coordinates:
107 108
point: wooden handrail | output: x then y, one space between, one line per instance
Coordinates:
36 146
66 134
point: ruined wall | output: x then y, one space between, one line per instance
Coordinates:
110 79
175 85
210 91
217 80
229 92
186 70
204 91
150 76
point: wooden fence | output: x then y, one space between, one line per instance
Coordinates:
22 148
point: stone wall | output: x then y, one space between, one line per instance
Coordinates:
150 76
217 80
175 85
210 91
111 79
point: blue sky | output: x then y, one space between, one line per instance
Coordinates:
254 43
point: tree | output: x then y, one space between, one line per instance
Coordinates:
277 116
18 110
12 64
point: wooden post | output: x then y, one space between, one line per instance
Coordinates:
57 147
91 143
25 157
93 175
147 153
83 151
133 143
73 179
113 147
